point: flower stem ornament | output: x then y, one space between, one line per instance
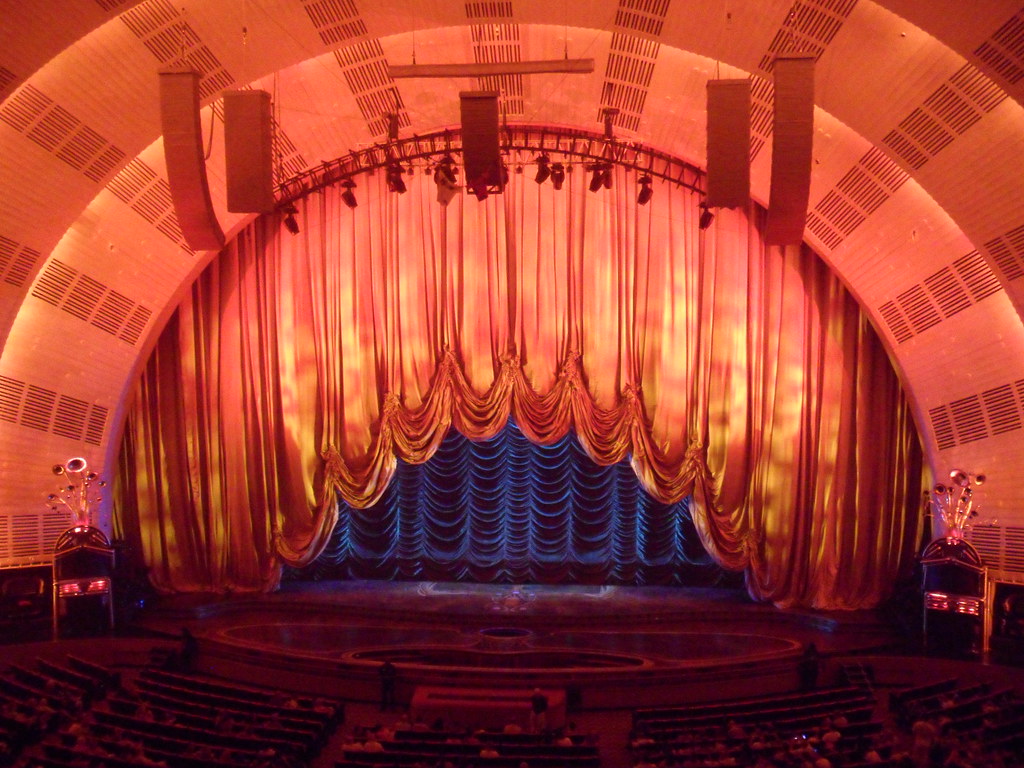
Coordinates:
81 493
954 503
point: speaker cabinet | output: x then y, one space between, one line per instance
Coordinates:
481 152
186 164
792 144
249 151
728 143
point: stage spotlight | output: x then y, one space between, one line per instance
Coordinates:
394 179
602 177
348 196
646 191
706 216
557 175
444 178
543 170
444 172
290 222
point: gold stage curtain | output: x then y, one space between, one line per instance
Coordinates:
741 374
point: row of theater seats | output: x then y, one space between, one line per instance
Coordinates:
992 715
409 747
37 701
836 724
162 719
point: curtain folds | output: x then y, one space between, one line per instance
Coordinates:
741 375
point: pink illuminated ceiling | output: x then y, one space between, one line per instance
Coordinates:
916 191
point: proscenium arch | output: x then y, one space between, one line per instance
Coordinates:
932 261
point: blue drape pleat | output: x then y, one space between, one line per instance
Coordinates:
508 510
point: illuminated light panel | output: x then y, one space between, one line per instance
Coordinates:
936 601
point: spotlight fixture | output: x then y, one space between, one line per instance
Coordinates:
290 223
543 169
602 176
444 178
557 175
646 191
394 179
348 196
444 172
706 216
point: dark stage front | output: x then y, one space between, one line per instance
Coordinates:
607 645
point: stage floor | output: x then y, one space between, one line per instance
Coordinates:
439 625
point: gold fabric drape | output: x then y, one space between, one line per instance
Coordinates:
301 366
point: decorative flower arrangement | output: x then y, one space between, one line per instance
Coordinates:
954 503
81 494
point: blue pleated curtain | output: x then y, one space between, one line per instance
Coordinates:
508 510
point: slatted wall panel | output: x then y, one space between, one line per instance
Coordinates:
89 300
43 409
365 70
631 60
939 296
335 21
7 82
809 27
496 39
55 129
858 194
140 188
17 262
165 33
948 112
1007 251
994 411
1004 50
1000 546
28 539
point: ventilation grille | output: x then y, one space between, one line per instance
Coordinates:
1001 547
39 408
30 539
644 16
17 262
50 126
335 20
138 187
948 112
941 295
872 181
995 411
808 28
627 79
1004 51
366 71
109 5
499 42
7 81
89 300
161 28
499 9
1008 252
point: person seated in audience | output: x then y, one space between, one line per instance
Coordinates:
488 750
734 730
372 744
512 728
563 739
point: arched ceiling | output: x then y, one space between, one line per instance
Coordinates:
916 193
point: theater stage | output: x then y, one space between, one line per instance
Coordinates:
608 646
